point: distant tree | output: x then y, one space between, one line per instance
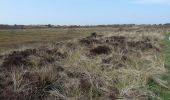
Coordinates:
49 25
168 24
15 25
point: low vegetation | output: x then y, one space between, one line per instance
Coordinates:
111 66
13 39
164 93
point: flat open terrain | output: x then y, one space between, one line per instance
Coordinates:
17 38
73 64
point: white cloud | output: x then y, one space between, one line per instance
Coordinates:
152 1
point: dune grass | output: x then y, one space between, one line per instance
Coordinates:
75 69
134 74
164 93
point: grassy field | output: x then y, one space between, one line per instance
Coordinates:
119 65
164 93
17 38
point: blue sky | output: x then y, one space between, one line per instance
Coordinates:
84 12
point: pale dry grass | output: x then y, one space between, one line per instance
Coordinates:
119 79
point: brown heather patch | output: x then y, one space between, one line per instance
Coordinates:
96 67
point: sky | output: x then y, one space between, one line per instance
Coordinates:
84 12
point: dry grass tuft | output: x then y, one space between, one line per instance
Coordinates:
92 68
